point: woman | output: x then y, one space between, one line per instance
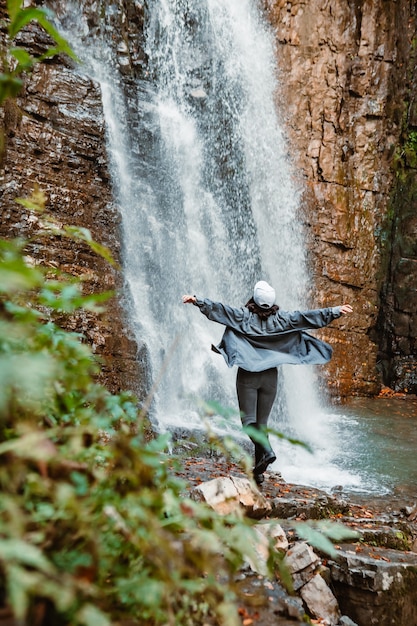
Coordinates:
258 338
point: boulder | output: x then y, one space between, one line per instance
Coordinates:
376 586
233 493
301 557
267 533
320 601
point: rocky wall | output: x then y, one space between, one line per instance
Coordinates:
55 141
343 69
398 311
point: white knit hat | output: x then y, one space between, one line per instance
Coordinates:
264 294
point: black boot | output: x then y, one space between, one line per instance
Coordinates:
259 451
258 478
266 459
264 455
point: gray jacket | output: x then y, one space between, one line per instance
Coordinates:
256 345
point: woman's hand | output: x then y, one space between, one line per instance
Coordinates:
189 299
346 308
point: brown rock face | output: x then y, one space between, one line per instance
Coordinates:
343 69
54 140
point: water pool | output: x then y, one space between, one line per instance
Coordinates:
367 446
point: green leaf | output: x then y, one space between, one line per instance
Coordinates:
10 86
25 60
212 407
228 614
16 550
20 18
17 594
28 375
13 7
81 483
16 276
22 314
42 18
71 560
83 234
318 534
51 52
336 531
284 573
316 539
92 616
35 202
294 442
34 445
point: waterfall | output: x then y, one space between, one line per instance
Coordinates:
209 206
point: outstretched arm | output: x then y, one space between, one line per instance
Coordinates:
217 312
281 321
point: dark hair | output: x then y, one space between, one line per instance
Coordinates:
263 313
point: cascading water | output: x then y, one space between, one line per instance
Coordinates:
209 207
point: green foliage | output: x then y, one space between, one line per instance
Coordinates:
261 437
405 155
94 524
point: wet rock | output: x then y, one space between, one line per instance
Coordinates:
273 605
411 512
398 537
361 579
302 564
314 507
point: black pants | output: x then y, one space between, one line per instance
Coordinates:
256 393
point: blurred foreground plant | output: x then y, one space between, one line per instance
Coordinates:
93 522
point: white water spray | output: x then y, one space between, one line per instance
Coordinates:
209 207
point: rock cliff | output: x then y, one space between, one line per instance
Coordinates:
345 81
345 77
54 139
